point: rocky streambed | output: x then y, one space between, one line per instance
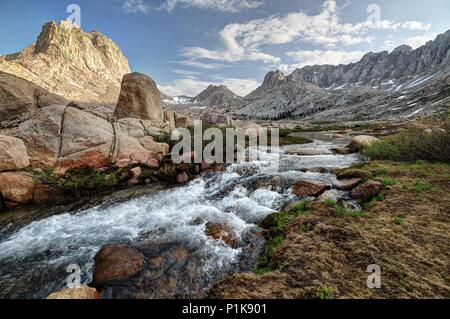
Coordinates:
180 241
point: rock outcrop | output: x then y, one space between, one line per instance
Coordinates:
19 96
64 137
139 98
66 61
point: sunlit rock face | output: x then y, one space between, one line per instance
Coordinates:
65 60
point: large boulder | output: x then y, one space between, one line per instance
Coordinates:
360 141
87 140
139 98
17 188
19 96
42 136
114 262
367 190
306 188
216 119
78 293
13 154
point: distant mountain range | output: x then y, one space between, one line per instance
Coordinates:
213 96
404 83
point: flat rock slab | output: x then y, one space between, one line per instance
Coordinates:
307 188
308 152
348 184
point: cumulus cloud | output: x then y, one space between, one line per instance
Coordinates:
245 41
318 57
192 86
419 40
233 6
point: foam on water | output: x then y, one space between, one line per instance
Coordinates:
75 238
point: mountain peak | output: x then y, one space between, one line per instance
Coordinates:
83 66
274 79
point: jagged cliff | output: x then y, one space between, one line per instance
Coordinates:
67 61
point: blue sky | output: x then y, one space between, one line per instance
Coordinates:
187 44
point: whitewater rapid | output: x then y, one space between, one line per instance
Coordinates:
34 258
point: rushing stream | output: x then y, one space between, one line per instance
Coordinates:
34 258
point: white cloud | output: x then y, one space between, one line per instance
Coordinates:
233 6
317 57
416 25
244 41
216 5
136 6
185 72
201 65
192 86
420 40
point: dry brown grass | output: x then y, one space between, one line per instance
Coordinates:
407 234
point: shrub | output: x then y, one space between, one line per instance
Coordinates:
414 145
325 292
398 220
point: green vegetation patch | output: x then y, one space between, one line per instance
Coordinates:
276 225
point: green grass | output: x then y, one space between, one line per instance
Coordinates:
325 292
342 211
388 181
330 203
276 224
422 186
399 220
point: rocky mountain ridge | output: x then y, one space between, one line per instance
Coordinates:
405 83
65 60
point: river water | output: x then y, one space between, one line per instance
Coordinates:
35 257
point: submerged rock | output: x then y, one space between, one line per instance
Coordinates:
221 232
173 270
113 263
